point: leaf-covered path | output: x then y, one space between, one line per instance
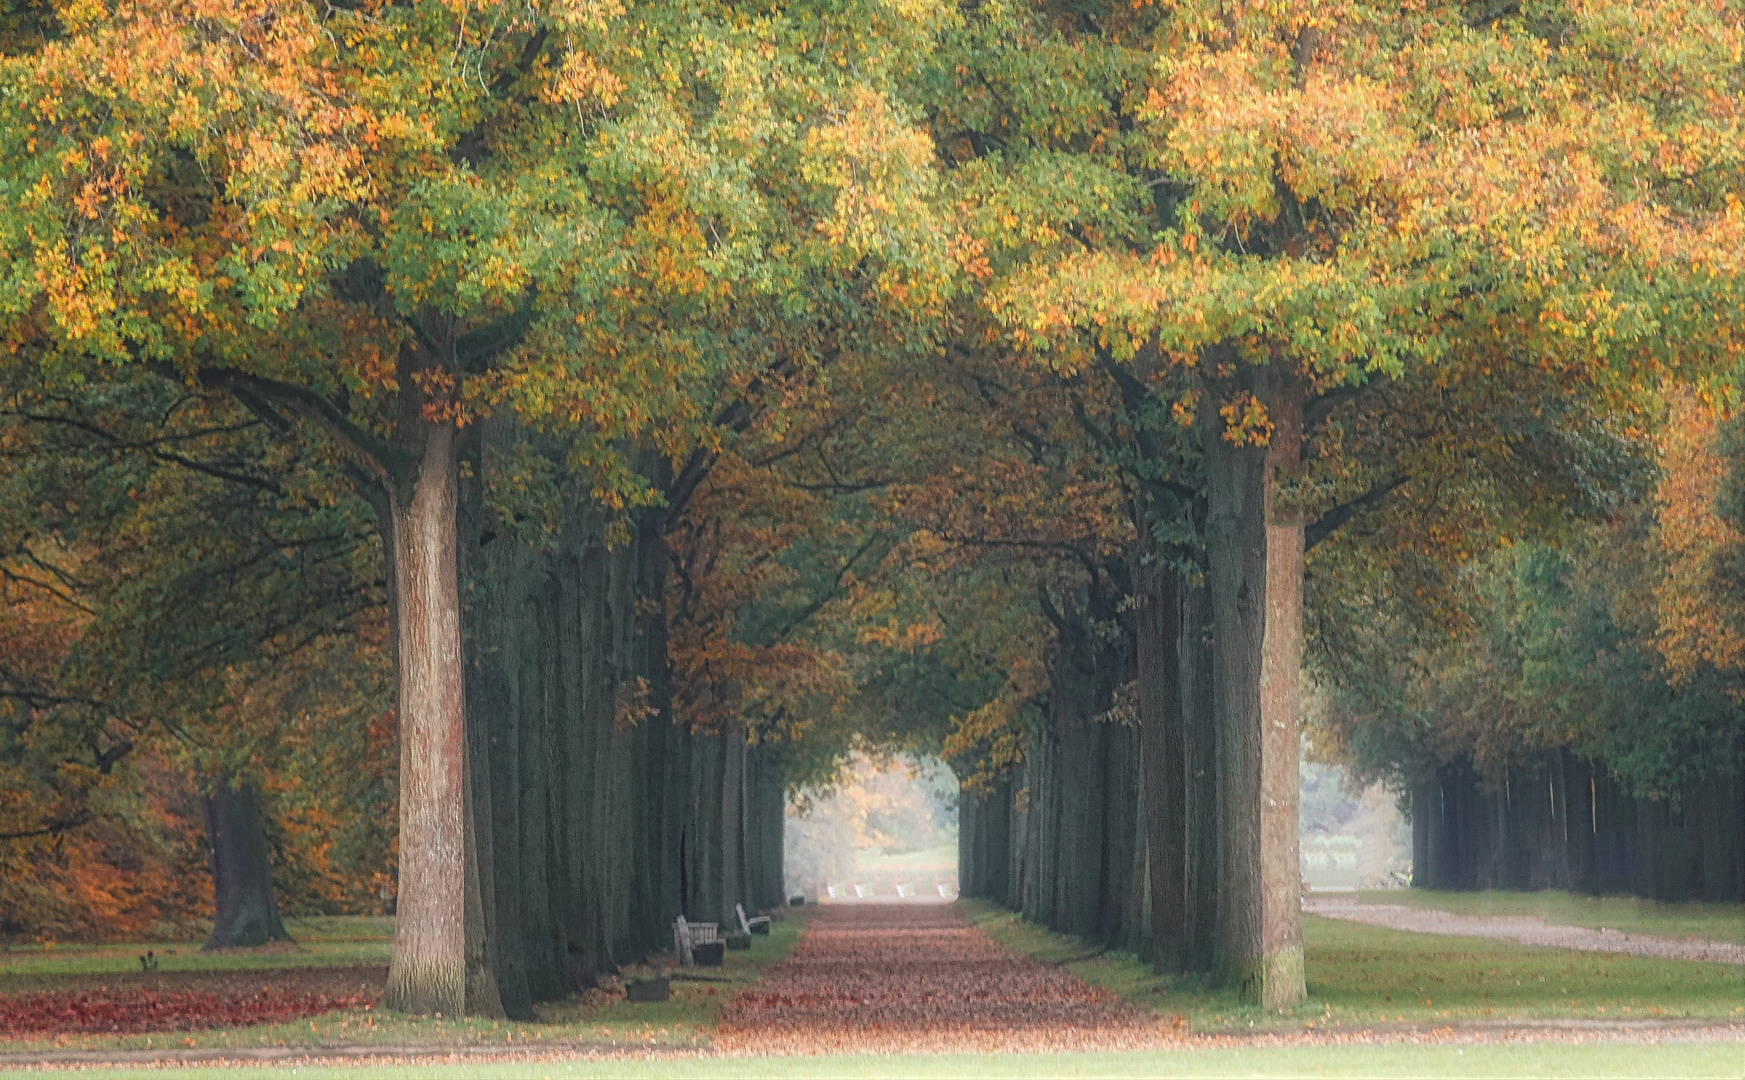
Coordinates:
889 977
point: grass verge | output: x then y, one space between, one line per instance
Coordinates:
328 941
1633 915
600 1017
1362 975
1532 1060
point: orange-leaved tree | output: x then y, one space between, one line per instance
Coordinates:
1292 203
384 221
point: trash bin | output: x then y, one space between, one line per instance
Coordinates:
649 990
709 953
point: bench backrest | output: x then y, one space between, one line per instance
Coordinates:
687 934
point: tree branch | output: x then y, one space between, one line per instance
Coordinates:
386 460
48 830
1324 525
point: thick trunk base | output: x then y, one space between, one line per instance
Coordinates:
1274 981
426 987
246 913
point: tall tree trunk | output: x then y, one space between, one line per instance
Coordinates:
1281 704
428 970
1200 737
1255 552
731 834
486 702
541 863
1157 589
247 913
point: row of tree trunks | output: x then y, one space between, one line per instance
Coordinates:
1560 821
1200 734
1178 760
985 848
592 819
1060 837
1212 881
1158 632
765 803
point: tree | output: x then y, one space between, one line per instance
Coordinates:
388 221
185 569
1293 204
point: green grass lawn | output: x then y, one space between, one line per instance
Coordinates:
1716 922
942 859
1533 1060
327 941
1363 975
682 1021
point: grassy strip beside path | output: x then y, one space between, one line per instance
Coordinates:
1531 1060
1362 975
599 1018
1632 915
328 941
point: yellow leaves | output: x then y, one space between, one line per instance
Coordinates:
580 79
1245 421
881 171
911 638
1182 411
77 307
1694 629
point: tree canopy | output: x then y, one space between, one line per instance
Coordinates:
632 413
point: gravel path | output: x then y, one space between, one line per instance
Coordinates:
1527 930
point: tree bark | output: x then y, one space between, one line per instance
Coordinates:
1157 590
428 970
486 702
1255 556
1200 736
247 912
1281 704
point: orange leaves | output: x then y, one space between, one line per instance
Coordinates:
970 253
1698 626
912 976
1245 421
909 638
247 92
879 169
1243 118
585 81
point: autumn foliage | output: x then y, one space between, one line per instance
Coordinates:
524 442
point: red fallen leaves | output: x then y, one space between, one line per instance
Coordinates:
915 976
140 1009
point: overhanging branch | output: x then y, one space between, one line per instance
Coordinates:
1323 526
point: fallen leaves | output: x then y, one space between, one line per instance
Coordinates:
915 977
139 1009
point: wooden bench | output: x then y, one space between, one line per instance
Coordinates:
757 924
689 934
